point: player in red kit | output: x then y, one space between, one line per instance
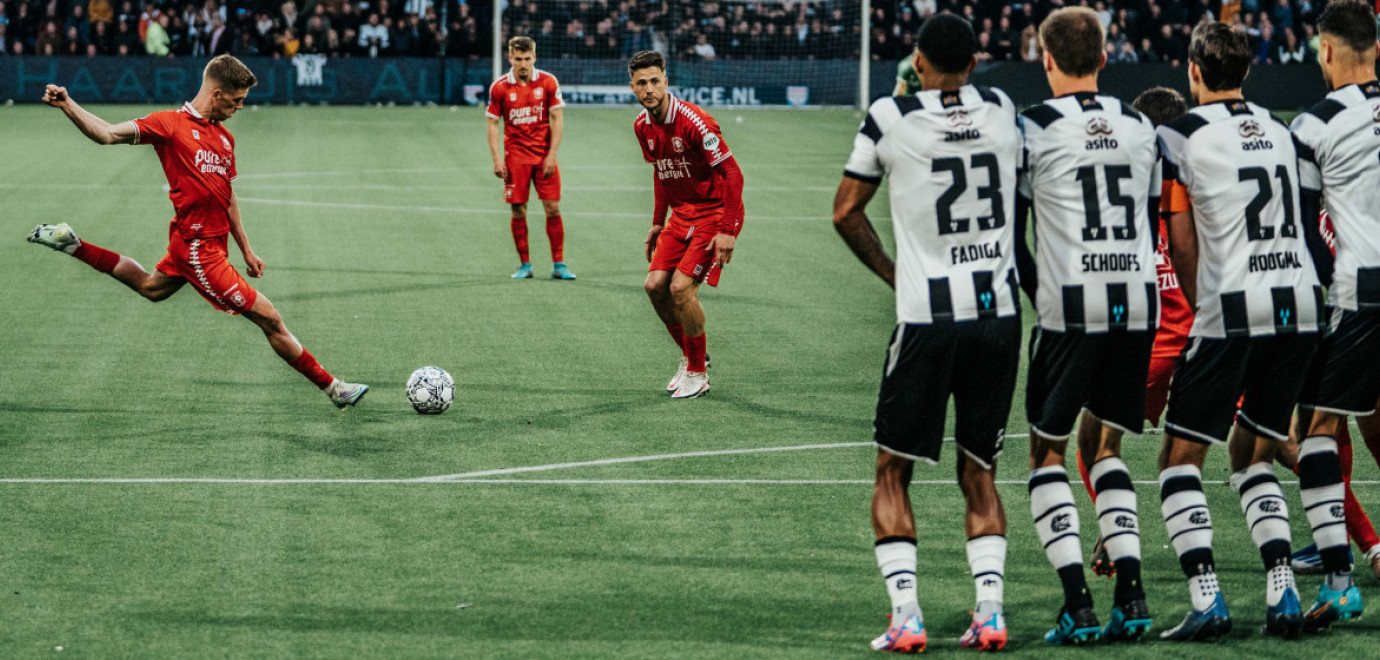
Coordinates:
198 158
526 123
697 179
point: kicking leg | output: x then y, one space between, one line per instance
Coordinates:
894 525
154 286
263 314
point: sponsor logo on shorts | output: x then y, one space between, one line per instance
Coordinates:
698 270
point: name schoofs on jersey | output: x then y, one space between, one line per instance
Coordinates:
1092 167
1255 274
951 158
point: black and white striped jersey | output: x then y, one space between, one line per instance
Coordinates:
1092 165
1339 155
1255 275
951 160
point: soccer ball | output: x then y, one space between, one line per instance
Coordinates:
430 390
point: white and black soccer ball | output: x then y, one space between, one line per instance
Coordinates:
430 390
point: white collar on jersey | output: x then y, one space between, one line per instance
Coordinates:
512 79
671 109
191 111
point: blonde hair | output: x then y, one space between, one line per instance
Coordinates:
230 73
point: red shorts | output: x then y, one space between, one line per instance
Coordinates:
522 176
204 263
1157 389
685 247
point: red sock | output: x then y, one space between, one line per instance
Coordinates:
1083 472
309 367
520 237
695 348
555 231
97 257
679 336
1358 525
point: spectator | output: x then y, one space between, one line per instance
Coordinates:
100 11
373 36
247 46
49 38
1147 53
1283 15
703 49
77 19
1291 50
4 40
1030 45
156 40
1127 54
218 40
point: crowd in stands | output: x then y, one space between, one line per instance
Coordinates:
1282 31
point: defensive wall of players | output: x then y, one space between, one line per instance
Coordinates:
354 81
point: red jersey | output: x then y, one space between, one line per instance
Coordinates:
198 157
685 147
1176 317
525 109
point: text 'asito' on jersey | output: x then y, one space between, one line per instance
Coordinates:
1091 168
1255 275
950 158
1339 155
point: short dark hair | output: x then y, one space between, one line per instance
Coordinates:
521 44
1161 104
1075 39
947 42
1351 21
1222 53
644 59
230 73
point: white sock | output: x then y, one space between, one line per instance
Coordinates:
1117 518
1279 581
1202 589
1267 512
896 559
987 559
1323 494
1056 516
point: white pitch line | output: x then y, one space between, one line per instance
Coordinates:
451 209
636 459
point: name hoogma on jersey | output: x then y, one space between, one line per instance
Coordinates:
1274 261
525 115
209 162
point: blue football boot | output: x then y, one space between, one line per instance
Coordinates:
1129 622
524 272
1285 618
1202 626
559 271
1332 606
1074 629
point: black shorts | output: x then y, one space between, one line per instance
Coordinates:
1345 378
974 361
1104 373
1213 374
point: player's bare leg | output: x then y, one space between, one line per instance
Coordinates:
984 522
263 314
685 297
658 288
1323 492
518 224
1056 520
1267 517
1118 523
154 286
555 233
1186 517
894 524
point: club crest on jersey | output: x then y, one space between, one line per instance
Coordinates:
1249 129
225 142
1100 130
678 145
512 96
537 93
959 118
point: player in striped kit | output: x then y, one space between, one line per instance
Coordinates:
1092 173
1338 140
1257 324
950 153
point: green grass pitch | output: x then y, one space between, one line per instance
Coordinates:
388 249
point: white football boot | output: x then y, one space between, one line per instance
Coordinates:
60 237
345 394
692 384
680 373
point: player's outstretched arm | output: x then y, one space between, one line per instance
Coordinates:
496 148
850 219
99 130
253 265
